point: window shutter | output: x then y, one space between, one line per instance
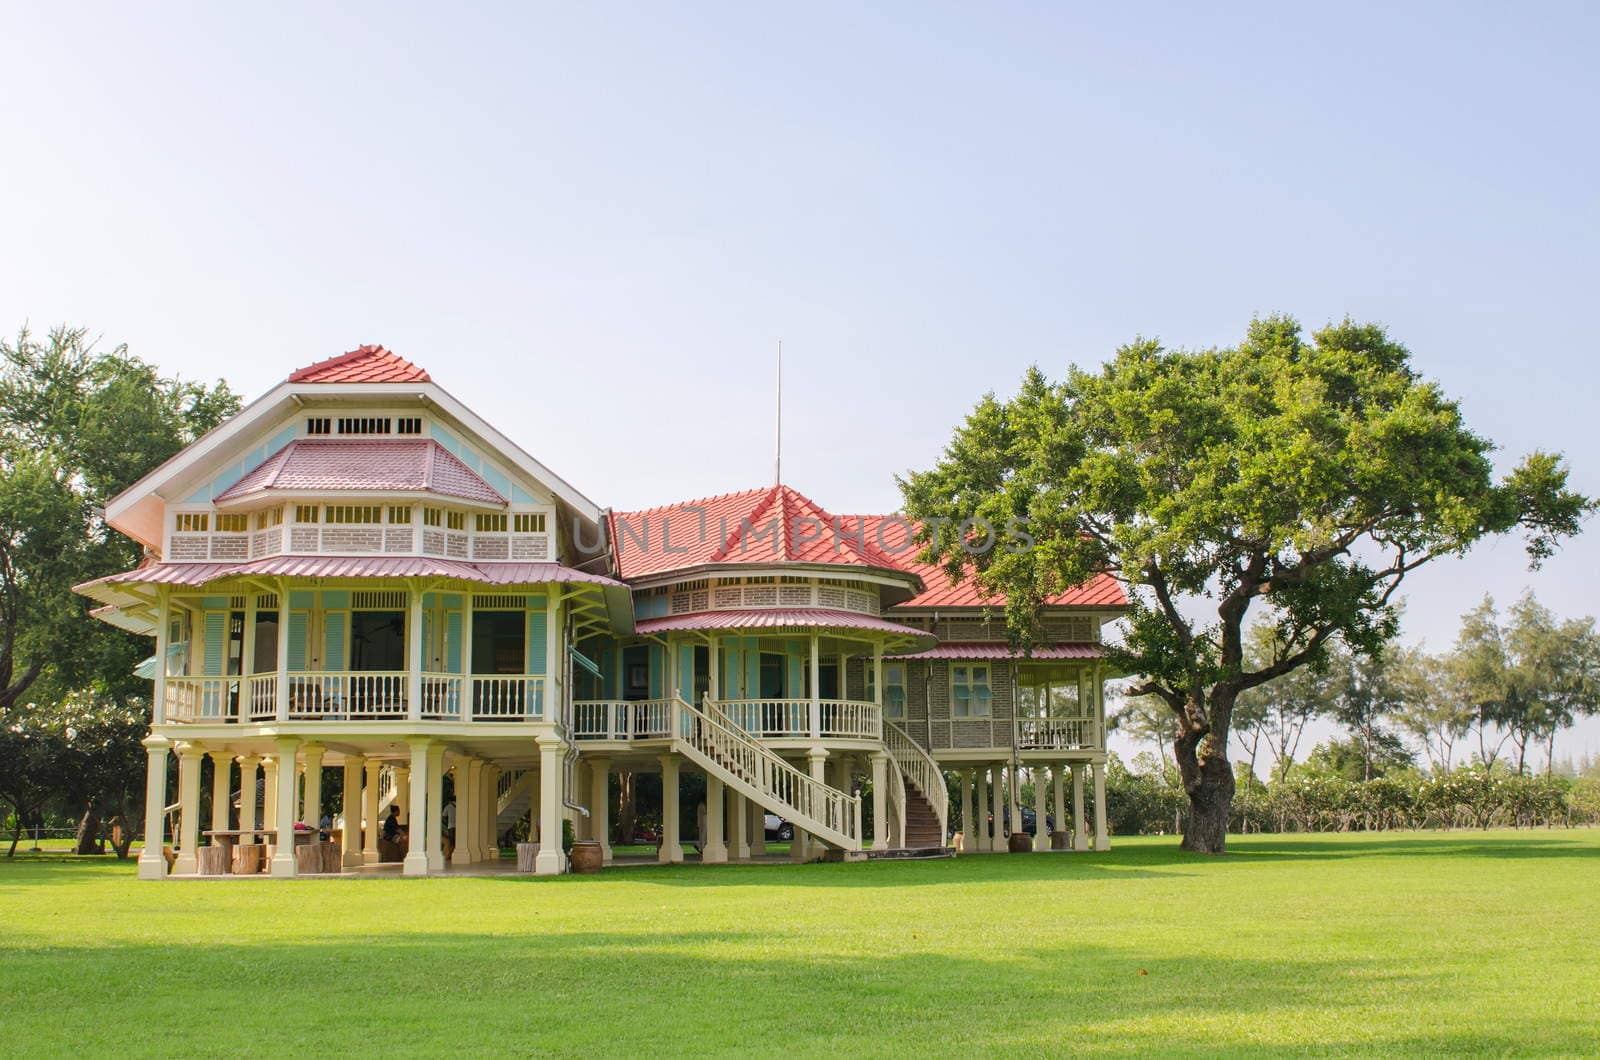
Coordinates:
333 640
537 625
216 642
297 640
452 642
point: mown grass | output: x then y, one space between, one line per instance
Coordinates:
1419 943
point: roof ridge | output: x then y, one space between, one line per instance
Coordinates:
696 502
750 519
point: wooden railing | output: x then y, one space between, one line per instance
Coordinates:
777 719
908 758
263 697
441 696
513 697
343 695
617 719
734 756
202 699
1057 734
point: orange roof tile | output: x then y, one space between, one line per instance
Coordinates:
366 364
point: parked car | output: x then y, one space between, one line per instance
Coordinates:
1029 822
777 828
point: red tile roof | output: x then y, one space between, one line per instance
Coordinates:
388 465
366 364
775 525
991 650
891 534
780 618
196 574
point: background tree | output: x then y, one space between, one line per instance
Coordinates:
1277 713
1146 719
1433 707
77 426
1531 675
1303 478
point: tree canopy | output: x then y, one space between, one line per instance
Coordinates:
77 426
1302 478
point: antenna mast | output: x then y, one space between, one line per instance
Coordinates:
777 463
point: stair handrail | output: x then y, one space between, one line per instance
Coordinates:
910 758
765 770
897 799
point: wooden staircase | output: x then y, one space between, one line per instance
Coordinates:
923 828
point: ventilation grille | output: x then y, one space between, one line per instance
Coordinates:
378 601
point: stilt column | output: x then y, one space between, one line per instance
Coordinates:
1041 790
969 837
189 758
152 864
671 812
369 837
1102 839
416 862
713 848
1080 841
600 806
552 861
880 803
350 796
284 805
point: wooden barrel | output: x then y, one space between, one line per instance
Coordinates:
586 857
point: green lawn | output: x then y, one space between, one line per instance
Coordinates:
1462 942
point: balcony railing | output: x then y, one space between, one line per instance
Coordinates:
616 719
779 719
355 696
1057 734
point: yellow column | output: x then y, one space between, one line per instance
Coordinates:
416 861
713 850
1102 838
189 757
997 791
671 812
311 813
284 804
221 790
350 795
1080 841
249 767
435 805
152 864
880 803
600 806
369 846
1041 786
552 860
969 834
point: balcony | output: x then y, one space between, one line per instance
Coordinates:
1059 734
766 719
354 696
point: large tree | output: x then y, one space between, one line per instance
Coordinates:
1279 712
1298 479
77 426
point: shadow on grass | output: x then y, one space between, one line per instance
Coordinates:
688 990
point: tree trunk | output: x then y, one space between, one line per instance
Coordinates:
121 835
626 812
1201 749
88 838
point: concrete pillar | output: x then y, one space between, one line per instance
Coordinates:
402 792
738 827
757 815
880 803
1061 795
463 855
713 847
1041 789
369 803
249 766
221 790
152 865
671 812
284 806
189 758
350 798
817 760
979 825
1080 841
1014 790
311 813
491 812
600 806
436 808
998 793
472 829
1102 839
269 800
552 860
414 655
969 835
816 692
416 861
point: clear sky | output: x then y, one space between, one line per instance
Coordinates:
593 222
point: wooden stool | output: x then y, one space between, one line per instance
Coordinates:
249 859
214 860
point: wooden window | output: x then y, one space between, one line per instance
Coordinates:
193 522
491 522
269 517
969 690
432 517
363 425
400 513
455 520
319 425
307 513
408 425
355 513
233 523
529 522
765 579
894 688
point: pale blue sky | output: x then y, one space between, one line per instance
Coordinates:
592 222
